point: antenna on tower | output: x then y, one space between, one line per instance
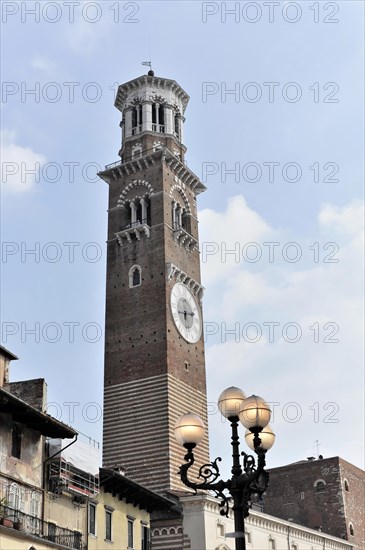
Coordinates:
317 445
149 64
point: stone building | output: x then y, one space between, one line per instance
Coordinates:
52 493
24 427
325 494
119 517
205 528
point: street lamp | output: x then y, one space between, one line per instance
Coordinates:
254 413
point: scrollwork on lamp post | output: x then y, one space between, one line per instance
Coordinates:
248 479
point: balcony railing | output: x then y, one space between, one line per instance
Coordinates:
158 128
134 224
44 530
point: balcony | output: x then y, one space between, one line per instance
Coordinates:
133 230
183 237
35 527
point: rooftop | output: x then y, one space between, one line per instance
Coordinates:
33 418
116 483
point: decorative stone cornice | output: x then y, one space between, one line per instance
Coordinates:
137 231
183 238
174 272
183 175
153 81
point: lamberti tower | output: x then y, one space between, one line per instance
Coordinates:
154 349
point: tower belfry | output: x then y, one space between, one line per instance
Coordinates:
154 349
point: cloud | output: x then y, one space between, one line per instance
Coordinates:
20 166
348 219
222 234
91 27
43 64
292 332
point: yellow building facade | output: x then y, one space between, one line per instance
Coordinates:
119 517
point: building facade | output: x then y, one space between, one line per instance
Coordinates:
206 529
325 494
154 348
52 493
24 427
119 517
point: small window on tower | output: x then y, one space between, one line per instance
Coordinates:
346 485
352 530
135 276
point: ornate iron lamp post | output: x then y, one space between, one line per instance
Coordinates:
254 413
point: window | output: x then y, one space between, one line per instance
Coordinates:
137 118
272 544
130 532
220 529
92 518
248 537
16 441
108 525
52 532
158 118
34 510
346 483
135 278
161 115
177 126
145 538
34 504
14 496
320 486
352 531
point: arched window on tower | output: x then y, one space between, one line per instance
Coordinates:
137 119
135 276
161 118
138 211
346 484
158 118
352 530
180 217
177 125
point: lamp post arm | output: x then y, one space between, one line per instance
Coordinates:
209 473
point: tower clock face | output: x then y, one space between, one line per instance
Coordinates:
185 312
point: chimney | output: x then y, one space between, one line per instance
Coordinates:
5 357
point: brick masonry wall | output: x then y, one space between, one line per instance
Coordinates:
292 495
152 375
33 392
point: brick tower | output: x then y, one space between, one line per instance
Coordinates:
154 349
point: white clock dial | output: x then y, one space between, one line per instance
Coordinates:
185 313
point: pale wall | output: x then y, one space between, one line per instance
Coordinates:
119 523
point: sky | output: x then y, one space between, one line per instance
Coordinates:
274 128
